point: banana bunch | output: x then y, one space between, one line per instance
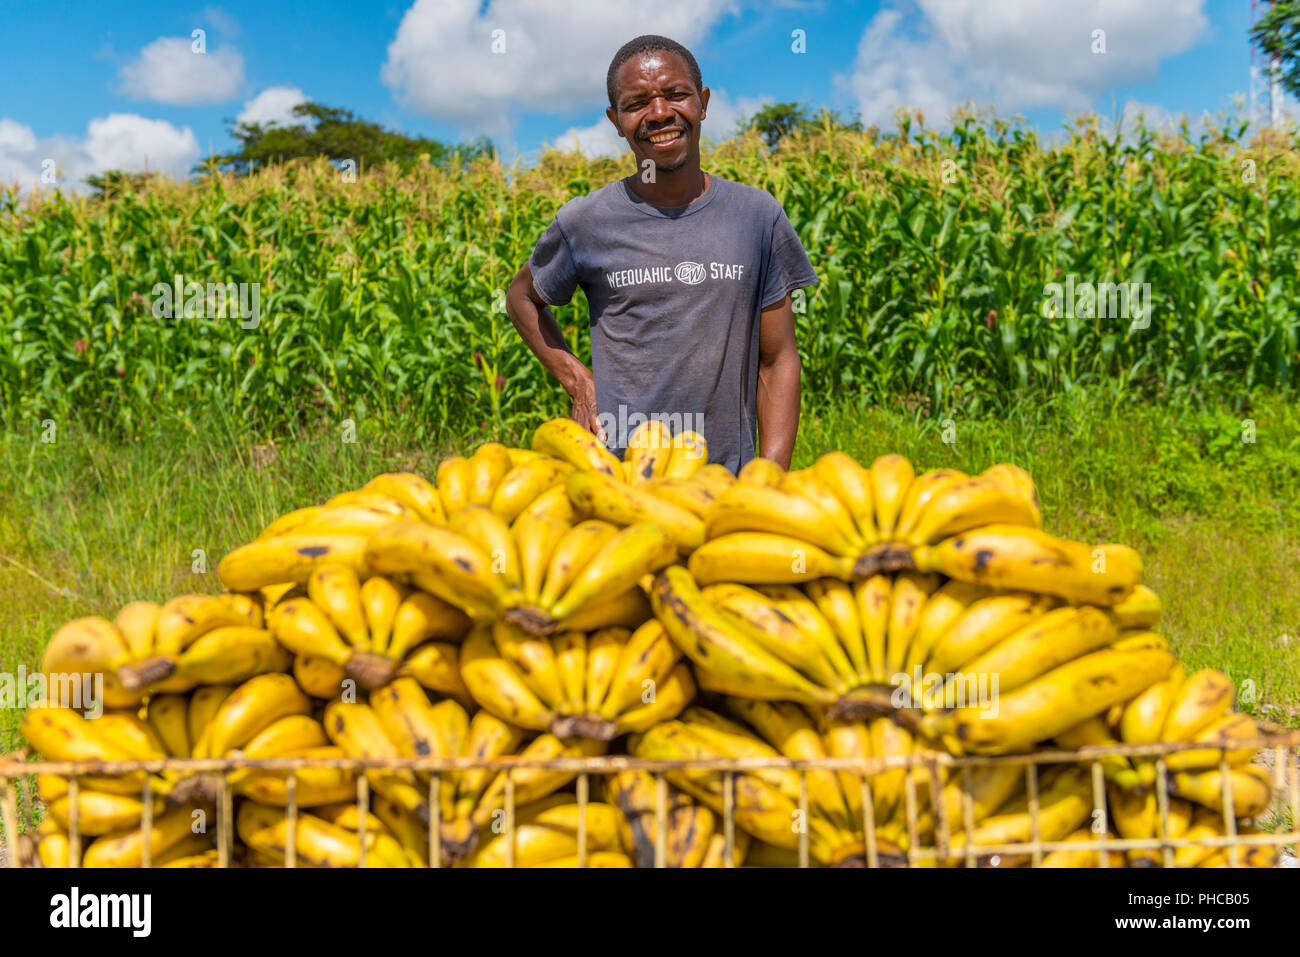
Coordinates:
191 639
767 801
368 631
509 481
839 519
1065 803
1053 701
882 643
63 734
1198 708
400 721
663 480
654 454
598 686
335 835
693 834
546 835
541 573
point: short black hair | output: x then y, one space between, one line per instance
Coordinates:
649 43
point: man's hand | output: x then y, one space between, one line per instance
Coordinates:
541 333
584 407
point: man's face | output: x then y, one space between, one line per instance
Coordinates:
659 109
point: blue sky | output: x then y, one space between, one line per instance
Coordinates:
93 85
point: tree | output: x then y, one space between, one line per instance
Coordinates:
778 120
337 134
1278 35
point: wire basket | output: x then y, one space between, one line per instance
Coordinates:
1280 750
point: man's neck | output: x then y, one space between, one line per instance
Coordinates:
679 188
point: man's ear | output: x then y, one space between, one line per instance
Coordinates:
613 118
704 101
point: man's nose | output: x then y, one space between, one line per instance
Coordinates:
658 110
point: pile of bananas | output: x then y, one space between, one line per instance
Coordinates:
555 602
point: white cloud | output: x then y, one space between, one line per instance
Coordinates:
600 139
169 71
123 141
273 106
441 62
1013 54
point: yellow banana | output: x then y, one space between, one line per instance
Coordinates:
852 485
1141 609
1055 638
890 477
380 600
625 558
910 594
537 538
690 455
649 448
725 645
445 563
525 483
570 442
570 555
453 483
249 709
318 677
1055 701
90 646
596 495
971 503
290 558
986 622
918 495
487 467
1018 557
761 472
436 666
1251 787
167 715
421 617
746 507
337 590
413 491
554 502
1202 699
489 531
763 558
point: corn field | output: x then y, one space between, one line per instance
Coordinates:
383 297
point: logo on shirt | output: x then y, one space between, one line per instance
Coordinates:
690 273
687 273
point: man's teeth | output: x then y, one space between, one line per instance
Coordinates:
663 137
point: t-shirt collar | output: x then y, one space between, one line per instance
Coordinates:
670 212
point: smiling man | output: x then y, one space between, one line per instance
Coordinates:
687 275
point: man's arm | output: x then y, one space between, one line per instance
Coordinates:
778 383
537 327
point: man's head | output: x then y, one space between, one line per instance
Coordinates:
657 100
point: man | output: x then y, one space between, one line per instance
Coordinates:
688 278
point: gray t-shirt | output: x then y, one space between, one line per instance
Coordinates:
675 296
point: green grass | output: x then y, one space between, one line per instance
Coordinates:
90 522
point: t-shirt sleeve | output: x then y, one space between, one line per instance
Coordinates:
788 267
555 274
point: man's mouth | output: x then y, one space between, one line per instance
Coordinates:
665 138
